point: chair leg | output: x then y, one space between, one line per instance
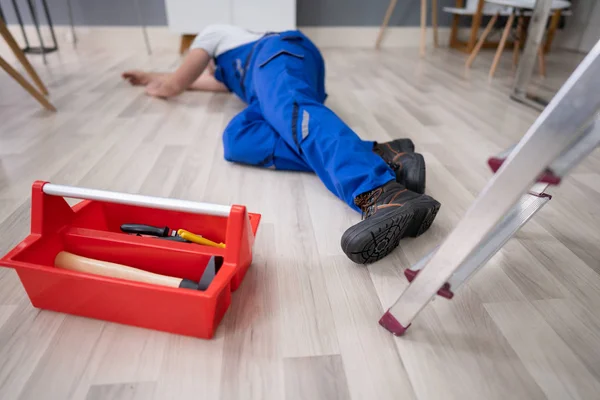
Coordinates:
423 26
554 22
143 25
72 24
542 61
26 85
36 24
434 22
5 33
186 42
475 24
502 43
518 41
386 21
454 32
481 41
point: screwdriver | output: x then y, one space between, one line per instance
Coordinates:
198 239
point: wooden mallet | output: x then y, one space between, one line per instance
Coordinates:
72 262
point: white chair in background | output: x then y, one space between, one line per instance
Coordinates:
476 9
517 8
471 9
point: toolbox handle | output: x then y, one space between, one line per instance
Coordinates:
136 200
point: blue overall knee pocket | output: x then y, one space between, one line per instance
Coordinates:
249 139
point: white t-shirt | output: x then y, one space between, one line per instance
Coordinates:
217 39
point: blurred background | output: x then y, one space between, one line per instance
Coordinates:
579 29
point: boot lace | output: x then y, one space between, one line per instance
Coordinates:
366 202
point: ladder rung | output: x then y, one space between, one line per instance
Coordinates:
547 177
580 149
444 291
521 212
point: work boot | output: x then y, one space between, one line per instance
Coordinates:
389 149
409 166
390 213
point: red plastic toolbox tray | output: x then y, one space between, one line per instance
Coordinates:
91 229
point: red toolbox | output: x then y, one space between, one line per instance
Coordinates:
91 229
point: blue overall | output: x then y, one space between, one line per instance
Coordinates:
286 126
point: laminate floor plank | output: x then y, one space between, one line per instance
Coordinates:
314 378
560 373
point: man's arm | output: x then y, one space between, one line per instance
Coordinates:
191 68
208 83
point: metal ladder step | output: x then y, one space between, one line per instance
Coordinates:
519 215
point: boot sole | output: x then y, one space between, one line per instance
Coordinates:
426 209
414 179
377 236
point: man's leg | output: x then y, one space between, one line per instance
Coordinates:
286 83
286 77
249 139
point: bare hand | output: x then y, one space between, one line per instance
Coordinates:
137 78
162 90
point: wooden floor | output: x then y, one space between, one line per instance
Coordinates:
304 323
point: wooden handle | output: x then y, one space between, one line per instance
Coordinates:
73 262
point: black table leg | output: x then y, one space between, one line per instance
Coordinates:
50 25
18 14
37 28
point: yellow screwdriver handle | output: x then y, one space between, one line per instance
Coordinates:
198 239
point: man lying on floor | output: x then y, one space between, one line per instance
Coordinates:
281 76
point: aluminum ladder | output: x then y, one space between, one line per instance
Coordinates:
566 132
